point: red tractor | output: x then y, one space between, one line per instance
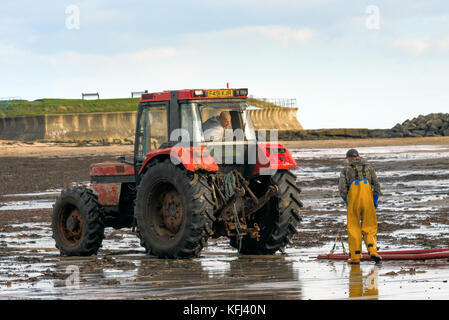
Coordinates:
187 183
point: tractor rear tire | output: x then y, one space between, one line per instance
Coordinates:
77 224
174 211
278 219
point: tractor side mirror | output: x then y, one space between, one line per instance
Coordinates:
122 159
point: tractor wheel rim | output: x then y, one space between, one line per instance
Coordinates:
172 211
71 226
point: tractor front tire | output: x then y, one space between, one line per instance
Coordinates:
174 211
77 224
278 219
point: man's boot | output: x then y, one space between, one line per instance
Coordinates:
376 257
351 261
354 258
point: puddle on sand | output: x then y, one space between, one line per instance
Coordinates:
397 153
27 204
36 200
35 194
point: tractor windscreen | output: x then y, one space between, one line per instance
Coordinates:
217 121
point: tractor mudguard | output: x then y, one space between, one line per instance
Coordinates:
271 157
107 179
192 158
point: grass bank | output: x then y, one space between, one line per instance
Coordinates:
62 106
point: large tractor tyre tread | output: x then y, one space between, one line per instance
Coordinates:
196 226
279 232
86 213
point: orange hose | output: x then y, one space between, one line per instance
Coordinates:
418 254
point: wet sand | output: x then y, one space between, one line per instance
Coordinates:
356 143
44 149
412 213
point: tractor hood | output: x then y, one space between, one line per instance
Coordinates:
265 157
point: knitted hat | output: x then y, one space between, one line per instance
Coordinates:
352 153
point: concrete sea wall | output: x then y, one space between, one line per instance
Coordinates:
115 125
69 127
275 118
22 128
90 126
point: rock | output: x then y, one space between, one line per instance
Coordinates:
420 120
437 123
406 133
431 134
411 126
431 125
419 133
396 135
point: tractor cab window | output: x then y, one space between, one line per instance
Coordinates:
215 122
191 123
152 130
226 121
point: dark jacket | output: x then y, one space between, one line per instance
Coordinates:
358 169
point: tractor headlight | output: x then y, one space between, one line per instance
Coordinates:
198 93
240 92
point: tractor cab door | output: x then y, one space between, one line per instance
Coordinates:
151 131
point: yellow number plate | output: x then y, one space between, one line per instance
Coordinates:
220 93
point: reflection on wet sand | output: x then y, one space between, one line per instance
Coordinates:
363 286
139 276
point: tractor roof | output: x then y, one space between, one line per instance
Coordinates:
196 94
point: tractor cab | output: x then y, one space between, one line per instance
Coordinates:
215 120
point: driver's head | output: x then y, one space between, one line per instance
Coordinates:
225 119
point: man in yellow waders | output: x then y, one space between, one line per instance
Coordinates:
360 189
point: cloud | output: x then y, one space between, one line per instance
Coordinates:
283 34
421 46
443 45
123 59
12 58
416 46
66 73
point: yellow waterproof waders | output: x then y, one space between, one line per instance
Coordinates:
361 207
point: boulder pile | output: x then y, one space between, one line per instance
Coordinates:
431 125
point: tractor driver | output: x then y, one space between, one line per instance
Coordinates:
214 128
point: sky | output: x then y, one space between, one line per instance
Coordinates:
348 63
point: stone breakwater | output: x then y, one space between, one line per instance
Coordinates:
322 134
431 125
